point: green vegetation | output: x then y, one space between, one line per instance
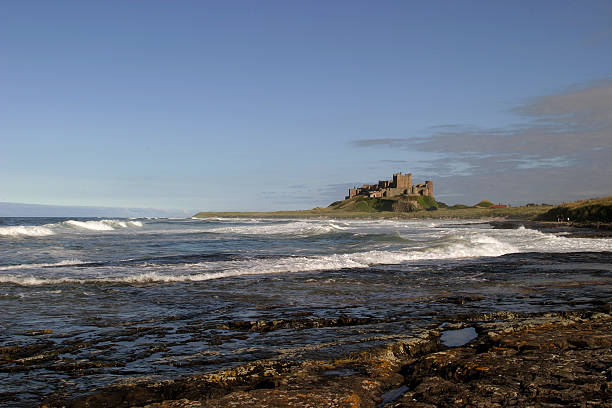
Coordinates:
411 207
395 204
402 207
428 203
522 213
593 210
458 207
368 204
484 204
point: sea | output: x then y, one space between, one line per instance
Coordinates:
86 303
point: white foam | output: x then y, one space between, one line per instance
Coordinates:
451 247
528 240
26 280
102 225
52 229
26 230
97 225
426 244
67 262
291 228
69 225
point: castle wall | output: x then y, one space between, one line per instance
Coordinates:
423 189
400 184
392 192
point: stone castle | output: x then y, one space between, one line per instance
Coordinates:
400 185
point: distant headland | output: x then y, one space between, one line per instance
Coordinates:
399 198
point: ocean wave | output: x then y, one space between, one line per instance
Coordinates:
69 225
232 220
528 240
302 228
26 230
90 225
453 247
67 262
33 280
101 225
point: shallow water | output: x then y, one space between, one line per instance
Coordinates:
460 337
92 302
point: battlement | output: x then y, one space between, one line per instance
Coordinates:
401 184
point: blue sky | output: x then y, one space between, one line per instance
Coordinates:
284 105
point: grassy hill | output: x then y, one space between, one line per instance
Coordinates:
484 204
394 204
593 210
395 208
587 211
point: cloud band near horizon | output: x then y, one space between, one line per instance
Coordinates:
560 149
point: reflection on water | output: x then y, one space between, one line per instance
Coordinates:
456 338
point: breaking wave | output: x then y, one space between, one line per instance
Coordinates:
450 248
292 228
102 225
366 244
52 229
26 230
68 262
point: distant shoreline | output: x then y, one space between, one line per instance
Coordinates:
593 213
514 213
499 218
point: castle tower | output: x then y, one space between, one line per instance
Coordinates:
403 181
429 188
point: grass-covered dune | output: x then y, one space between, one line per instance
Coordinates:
593 210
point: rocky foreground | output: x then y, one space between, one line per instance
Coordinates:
566 229
544 360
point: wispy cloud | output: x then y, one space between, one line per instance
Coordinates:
379 142
565 136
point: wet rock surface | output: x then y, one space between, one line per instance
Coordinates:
537 360
567 229
559 363
187 331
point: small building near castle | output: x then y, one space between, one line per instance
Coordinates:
401 184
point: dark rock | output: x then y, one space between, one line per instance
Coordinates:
544 365
545 360
38 332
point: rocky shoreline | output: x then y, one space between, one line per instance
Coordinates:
567 229
539 360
